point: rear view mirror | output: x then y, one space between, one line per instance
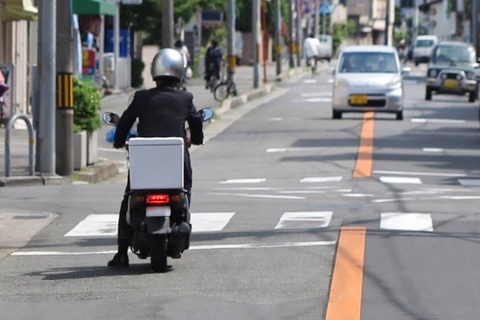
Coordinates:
207 114
110 118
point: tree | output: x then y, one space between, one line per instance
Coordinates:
147 17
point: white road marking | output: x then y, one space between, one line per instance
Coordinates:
273 150
420 120
400 180
199 247
210 221
408 173
432 149
318 94
460 197
95 225
256 195
254 180
310 81
321 179
406 221
318 100
358 195
247 189
105 225
469 182
304 219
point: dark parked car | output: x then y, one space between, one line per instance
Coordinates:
452 70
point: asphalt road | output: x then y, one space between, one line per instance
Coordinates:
273 197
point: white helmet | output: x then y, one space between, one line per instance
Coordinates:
167 63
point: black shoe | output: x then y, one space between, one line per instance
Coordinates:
119 260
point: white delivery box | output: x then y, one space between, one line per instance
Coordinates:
156 163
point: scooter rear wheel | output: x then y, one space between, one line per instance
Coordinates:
158 258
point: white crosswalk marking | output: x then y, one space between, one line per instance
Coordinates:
253 180
406 221
401 180
96 225
304 219
320 179
469 182
210 221
105 225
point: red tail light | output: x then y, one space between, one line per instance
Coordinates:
157 199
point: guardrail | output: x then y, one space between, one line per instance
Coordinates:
31 144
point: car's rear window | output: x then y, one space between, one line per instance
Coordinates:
424 43
368 62
452 53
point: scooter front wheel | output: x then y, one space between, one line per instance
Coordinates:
158 252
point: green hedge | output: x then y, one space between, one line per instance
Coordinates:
86 101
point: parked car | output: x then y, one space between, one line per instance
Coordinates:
326 47
452 70
422 48
368 78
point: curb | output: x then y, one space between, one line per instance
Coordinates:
21 181
95 173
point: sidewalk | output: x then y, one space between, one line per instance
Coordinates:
19 139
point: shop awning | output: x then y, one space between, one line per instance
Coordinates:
14 10
94 7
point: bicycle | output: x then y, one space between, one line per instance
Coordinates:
224 89
103 84
312 63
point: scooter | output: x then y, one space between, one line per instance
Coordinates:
158 204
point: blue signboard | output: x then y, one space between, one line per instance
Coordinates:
124 42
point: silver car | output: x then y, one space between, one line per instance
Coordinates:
368 78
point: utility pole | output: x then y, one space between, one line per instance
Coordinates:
298 33
276 40
324 17
255 41
264 40
64 114
291 34
316 17
475 26
232 61
46 71
167 24
116 42
389 20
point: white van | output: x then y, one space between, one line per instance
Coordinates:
326 47
422 48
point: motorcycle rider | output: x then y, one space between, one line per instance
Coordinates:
161 112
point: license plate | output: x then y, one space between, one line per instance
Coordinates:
358 99
160 211
449 83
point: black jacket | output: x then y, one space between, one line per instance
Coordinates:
161 112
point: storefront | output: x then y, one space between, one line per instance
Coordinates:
17 39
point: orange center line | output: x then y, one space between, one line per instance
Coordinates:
363 166
345 299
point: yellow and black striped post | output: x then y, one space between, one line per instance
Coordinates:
64 124
64 90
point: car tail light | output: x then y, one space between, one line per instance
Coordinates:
157 199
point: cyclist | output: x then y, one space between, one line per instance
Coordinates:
213 61
311 51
